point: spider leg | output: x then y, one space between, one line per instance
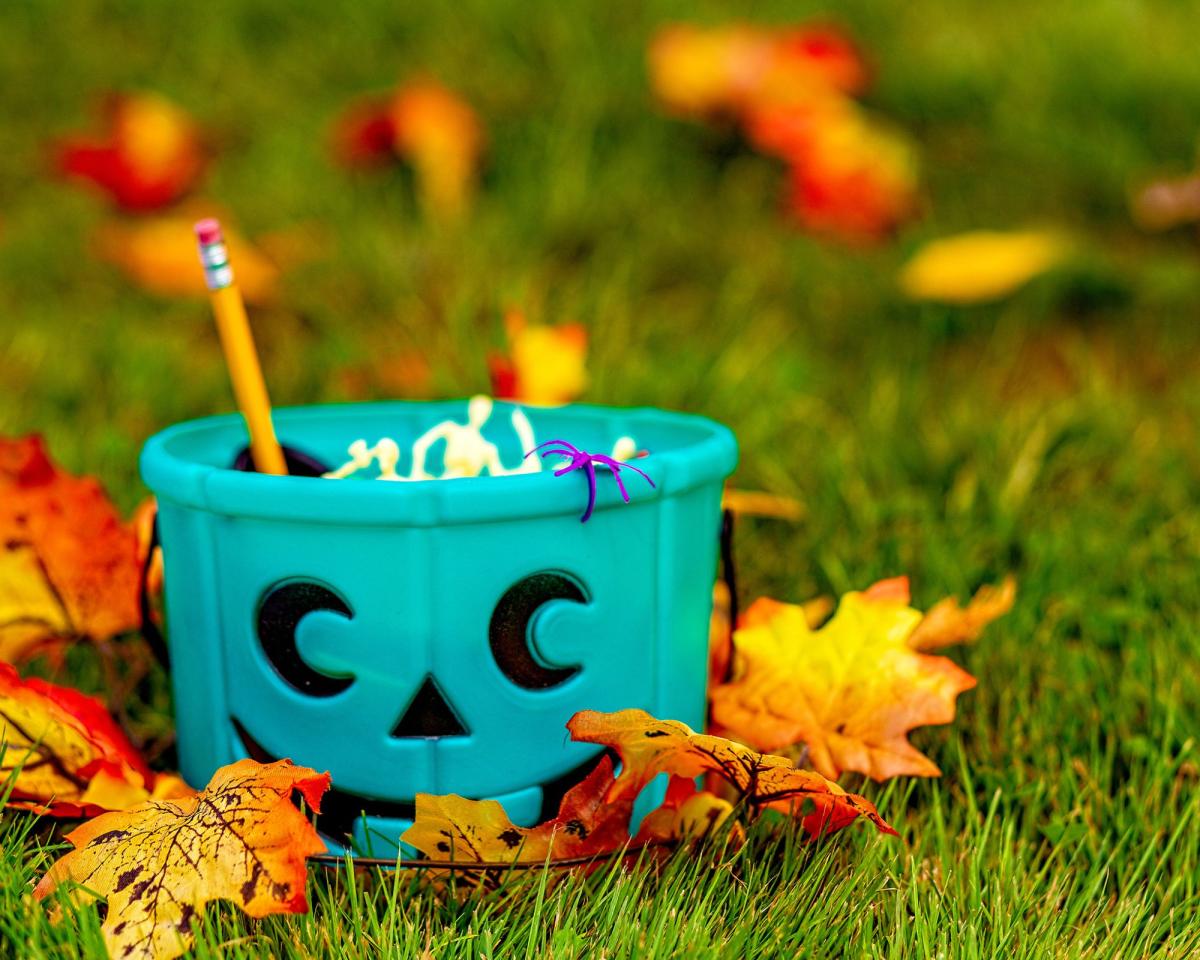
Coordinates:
641 473
574 463
616 474
591 474
568 449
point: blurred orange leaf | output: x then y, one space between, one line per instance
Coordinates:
850 691
70 758
981 265
148 156
728 69
440 135
159 255
850 177
69 568
158 864
545 365
947 623
790 90
427 125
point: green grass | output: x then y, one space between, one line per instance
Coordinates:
1053 435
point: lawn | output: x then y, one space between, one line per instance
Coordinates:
1052 435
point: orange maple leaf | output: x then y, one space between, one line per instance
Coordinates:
70 759
850 691
648 747
159 863
149 155
594 816
545 365
69 567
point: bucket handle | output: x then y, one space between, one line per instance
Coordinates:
150 631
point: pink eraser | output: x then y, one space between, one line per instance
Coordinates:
208 231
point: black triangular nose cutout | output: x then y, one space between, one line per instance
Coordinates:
429 715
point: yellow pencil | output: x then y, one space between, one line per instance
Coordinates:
249 388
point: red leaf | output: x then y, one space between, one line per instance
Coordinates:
148 156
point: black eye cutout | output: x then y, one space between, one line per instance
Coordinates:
279 614
511 638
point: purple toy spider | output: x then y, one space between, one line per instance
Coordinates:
582 460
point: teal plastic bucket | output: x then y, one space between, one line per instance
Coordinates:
432 636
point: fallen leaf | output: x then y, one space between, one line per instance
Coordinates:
850 177
982 265
946 623
720 632
427 125
545 365
70 758
454 828
594 817
720 635
1168 203
440 135
69 568
733 68
648 747
759 503
688 814
403 374
851 691
159 255
158 864
365 134
148 156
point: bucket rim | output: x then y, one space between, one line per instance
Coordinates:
190 482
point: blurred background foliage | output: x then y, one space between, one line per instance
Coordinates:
896 423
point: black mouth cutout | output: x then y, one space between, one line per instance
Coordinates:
341 809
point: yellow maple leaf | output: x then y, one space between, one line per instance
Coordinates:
850 691
158 864
981 265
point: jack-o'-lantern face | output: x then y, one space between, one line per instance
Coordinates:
418 660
